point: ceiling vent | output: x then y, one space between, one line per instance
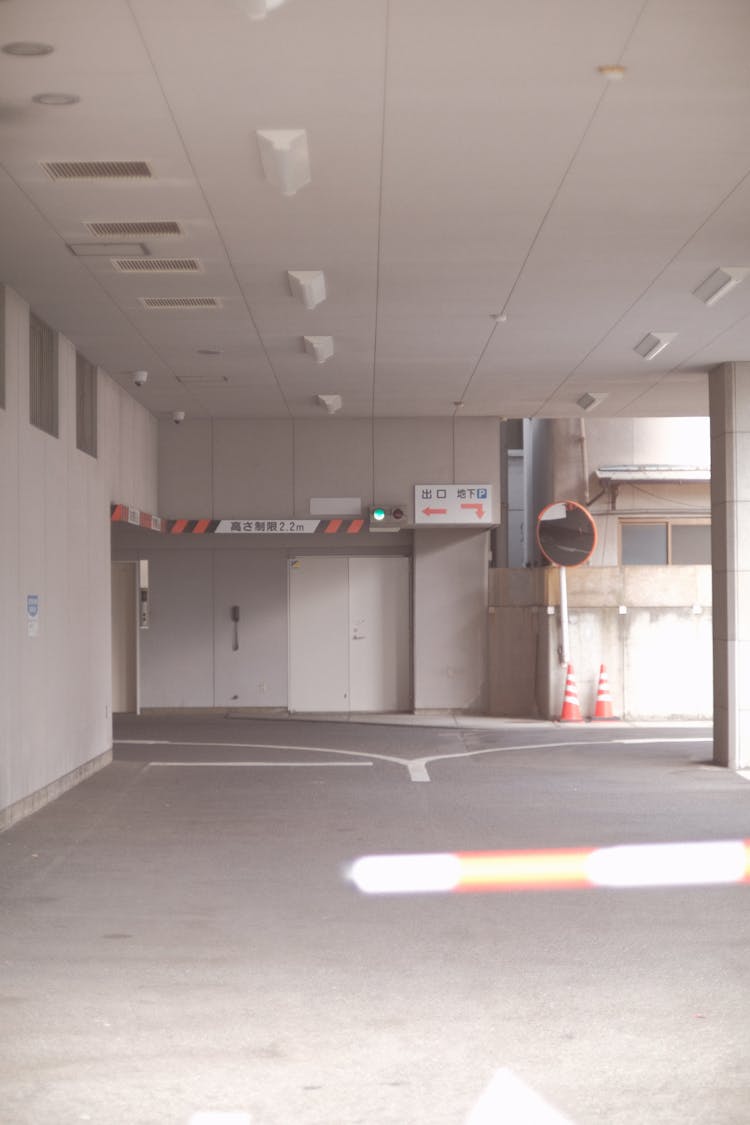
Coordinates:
97 169
157 265
133 230
180 302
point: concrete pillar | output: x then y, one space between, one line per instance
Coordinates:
729 404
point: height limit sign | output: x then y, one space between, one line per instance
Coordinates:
453 505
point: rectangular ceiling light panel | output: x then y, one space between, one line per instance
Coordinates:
148 229
97 169
653 343
719 283
180 302
157 265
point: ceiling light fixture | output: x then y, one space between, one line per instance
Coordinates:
56 99
285 158
319 347
308 286
28 50
719 283
613 72
257 9
653 343
331 403
590 399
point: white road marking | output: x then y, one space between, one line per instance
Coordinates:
253 765
415 767
508 1099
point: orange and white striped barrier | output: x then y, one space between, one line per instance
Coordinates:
625 865
603 709
571 710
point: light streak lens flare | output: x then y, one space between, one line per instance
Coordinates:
406 874
713 862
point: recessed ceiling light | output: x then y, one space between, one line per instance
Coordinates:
590 399
653 343
612 72
56 99
257 9
28 50
719 283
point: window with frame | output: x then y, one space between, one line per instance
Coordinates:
43 395
86 410
665 543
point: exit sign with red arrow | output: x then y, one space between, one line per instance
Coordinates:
453 504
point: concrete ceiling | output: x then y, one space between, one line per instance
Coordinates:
468 161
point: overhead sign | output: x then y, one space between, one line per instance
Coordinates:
453 504
266 527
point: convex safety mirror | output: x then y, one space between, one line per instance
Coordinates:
566 533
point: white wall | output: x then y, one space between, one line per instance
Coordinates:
450 620
224 469
55 688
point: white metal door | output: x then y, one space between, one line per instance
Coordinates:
379 634
318 634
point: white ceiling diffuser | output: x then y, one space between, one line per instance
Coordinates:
308 286
285 158
319 347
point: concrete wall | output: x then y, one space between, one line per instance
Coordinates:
650 626
55 687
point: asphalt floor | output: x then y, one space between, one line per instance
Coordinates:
179 935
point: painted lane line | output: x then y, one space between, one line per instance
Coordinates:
253 765
417 768
509 1099
261 746
709 863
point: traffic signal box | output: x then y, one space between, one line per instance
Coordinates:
387 517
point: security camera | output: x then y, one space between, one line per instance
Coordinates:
178 416
140 377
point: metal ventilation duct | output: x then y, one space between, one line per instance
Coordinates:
97 169
180 302
157 265
125 229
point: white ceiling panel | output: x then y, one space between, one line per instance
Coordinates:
466 160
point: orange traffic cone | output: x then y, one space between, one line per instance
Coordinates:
603 709
571 711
